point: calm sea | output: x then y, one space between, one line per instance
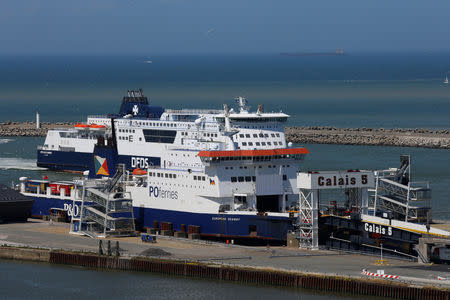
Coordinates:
42 281
357 90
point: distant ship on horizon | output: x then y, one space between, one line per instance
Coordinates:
338 52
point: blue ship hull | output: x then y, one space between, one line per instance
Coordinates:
82 161
212 225
64 160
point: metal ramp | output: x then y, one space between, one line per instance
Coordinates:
395 193
106 210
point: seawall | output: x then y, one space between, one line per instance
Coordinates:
426 138
254 275
10 128
399 137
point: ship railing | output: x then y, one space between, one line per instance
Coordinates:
193 111
98 116
112 223
414 191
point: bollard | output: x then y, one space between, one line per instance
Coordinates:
117 249
100 247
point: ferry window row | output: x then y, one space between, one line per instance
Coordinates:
156 124
249 178
261 135
254 158
243 179
162 175
204 134
262 143
202 178
126 130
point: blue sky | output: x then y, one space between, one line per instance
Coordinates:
153 27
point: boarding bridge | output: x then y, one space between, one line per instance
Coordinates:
396 194
310 183
105 208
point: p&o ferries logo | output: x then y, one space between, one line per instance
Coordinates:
101 166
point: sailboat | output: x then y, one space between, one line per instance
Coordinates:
446 79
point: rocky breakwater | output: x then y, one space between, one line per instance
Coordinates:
9 128
368 136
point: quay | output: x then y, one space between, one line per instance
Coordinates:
426 138
325 270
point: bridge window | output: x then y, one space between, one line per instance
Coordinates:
159 136
233 179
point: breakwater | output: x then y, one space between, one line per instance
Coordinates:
399 137
348 285
10 128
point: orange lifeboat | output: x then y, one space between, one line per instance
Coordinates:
97 127
81 126
139 172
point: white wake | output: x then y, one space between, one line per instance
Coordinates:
15 163
4 141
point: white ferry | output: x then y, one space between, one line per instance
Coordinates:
143 133
229 172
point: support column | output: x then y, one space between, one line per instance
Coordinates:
364 201
308 223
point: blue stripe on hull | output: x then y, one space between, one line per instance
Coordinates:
81 161
218 224
42 205
211 224
63 160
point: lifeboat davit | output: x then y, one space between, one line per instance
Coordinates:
139 172
81 126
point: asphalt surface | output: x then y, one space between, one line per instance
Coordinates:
40 234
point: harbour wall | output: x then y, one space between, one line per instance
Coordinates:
399 137
346 285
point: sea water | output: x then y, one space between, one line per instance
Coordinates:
357 90
44 281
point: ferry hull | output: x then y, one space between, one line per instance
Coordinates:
64 160
211 225
82 161
220 225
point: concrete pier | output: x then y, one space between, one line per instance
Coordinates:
322 269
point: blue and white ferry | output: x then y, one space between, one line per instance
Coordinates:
229 172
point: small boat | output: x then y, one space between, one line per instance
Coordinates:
446 80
